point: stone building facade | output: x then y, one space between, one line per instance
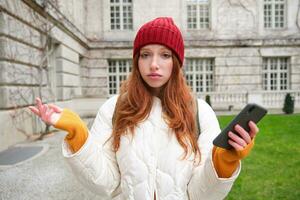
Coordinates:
76 53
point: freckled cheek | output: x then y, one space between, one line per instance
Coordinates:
169 74
170 68
142 67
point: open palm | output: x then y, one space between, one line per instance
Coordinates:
49 113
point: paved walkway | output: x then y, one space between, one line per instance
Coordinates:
44 177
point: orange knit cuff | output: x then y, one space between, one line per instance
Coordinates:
76 128
226 161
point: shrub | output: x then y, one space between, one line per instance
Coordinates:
207 99
288 107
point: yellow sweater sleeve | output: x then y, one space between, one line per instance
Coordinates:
226 161
76 128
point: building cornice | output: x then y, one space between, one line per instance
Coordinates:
53 14
218 43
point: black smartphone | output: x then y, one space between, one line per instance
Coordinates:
251 112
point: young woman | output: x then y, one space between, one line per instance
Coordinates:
144 143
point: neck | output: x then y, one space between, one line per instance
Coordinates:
156 91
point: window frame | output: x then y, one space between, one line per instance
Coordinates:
199 25
118 74
268 74
198 71
120 4
273 16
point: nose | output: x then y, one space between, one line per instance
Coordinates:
154 63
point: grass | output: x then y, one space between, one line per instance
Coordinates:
272 170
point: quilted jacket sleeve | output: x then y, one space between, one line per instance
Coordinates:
95 164
205 183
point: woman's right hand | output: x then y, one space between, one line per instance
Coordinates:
49 113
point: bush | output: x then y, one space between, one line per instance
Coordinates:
288 107
207 99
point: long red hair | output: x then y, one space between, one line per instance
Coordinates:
135 102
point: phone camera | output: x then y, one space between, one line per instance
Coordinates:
251 109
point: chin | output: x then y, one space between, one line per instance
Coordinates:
155 86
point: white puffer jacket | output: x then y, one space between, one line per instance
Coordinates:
150 162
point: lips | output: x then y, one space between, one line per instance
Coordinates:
154 75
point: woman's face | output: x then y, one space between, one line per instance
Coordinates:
155 65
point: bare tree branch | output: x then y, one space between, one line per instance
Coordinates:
23 94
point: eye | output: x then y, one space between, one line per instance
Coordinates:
144 55
167 55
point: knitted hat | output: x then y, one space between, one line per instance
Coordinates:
163 31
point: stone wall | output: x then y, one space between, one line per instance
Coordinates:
38 58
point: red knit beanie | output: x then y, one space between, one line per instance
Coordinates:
163 31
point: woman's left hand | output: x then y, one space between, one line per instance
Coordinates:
239 143
226 161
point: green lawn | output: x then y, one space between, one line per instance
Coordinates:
272 170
